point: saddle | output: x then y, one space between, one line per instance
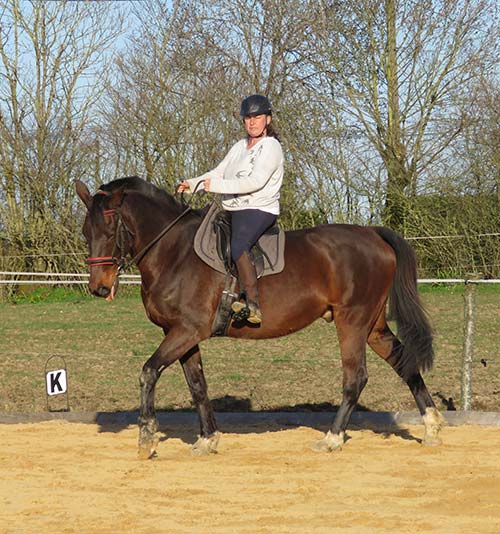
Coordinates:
212 243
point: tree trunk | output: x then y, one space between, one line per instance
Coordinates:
394 152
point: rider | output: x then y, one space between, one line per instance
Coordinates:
249 178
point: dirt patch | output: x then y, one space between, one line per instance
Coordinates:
68 477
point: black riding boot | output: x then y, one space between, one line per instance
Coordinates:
247 278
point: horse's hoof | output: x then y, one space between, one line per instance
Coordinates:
204 446
434 422
432 441
147 449
331 442
322 446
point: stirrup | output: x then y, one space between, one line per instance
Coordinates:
242 311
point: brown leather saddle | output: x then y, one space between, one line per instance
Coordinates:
212 243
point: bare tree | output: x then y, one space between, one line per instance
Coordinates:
368 97
393 70
175 105
52 60
480 137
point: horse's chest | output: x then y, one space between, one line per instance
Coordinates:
159 311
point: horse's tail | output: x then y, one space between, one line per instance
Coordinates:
406 308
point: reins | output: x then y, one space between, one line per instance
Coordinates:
138 257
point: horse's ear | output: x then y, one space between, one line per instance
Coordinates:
83 192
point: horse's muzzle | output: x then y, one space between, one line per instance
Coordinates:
103 284
101 291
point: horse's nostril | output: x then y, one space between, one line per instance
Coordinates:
102 291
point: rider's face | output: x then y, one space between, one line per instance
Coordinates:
256 125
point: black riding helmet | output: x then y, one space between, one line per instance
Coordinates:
255 105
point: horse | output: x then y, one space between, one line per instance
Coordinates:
345 274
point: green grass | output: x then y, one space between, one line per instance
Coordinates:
48 294
106 344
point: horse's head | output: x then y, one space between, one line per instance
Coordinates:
107 238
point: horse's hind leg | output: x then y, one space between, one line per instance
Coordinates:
387 346
353 352
193 371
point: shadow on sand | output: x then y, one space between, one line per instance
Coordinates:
234 415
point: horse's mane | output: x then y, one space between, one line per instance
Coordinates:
147 189
135 183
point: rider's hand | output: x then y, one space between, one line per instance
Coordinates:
206 184
183 186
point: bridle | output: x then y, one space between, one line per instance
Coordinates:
122 232
118 256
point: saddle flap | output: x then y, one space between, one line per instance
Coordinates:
222 229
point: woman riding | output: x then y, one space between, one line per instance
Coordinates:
249 178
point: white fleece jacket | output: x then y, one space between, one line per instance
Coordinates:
248 179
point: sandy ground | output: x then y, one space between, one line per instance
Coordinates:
68 477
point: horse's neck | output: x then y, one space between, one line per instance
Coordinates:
149 216
149 219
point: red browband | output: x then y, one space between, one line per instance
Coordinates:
100 260
107 213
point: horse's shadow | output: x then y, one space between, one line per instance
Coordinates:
235 415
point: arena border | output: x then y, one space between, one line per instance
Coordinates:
358 419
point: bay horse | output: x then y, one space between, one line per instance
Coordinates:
342 273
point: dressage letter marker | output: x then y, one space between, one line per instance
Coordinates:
56 382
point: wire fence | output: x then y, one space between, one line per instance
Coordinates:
453 236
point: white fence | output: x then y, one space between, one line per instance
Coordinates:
27 278
23 278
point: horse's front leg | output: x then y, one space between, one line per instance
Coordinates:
148 425
175 344
193 371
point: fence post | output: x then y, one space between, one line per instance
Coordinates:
468 350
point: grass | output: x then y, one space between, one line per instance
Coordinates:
105 345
